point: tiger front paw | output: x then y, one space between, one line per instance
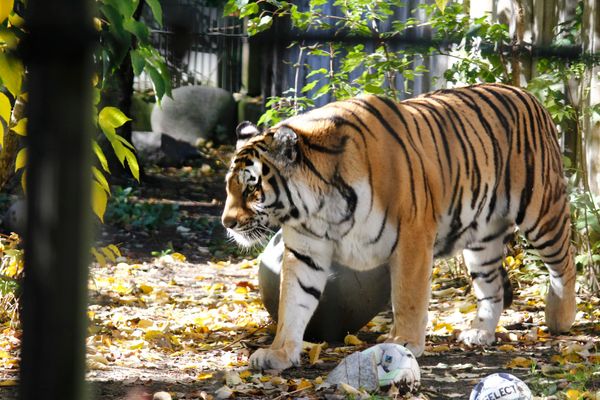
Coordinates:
272 359
477 337
415 348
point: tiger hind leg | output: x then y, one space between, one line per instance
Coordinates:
551 237
490 283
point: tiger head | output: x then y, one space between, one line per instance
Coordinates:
258 197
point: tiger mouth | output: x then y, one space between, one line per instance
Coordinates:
251 236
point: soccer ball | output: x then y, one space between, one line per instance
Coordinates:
396 365
501 386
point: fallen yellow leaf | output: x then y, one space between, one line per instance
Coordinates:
146 289
144 323
440 348
277 380
245 374
443 327
136 345
519 362
178 257
304 384
241 290
506 347
573 394
204 376
467 307
351 340
314 353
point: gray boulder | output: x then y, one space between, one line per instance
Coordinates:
196 112
162 149
15 219
350 299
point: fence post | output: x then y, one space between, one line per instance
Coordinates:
57 52
591 126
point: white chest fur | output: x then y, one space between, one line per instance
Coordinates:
364 241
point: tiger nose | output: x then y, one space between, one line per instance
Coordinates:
228 222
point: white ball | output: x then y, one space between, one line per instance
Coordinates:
501 386
396 365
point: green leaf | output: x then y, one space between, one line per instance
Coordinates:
114 249
230 8
100 156
249 9
133 165
101 179
309 86
265 22
441 5
99 200
157 82
137 61
24 181
139 29
109 254
126 8
21 159
11 73
21 127
316 71
6 7
120 151
111 118
156 11
125 142
5 110
99 257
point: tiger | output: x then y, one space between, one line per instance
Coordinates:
370 180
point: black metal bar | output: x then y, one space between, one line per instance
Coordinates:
58 55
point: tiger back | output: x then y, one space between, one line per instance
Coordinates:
368 180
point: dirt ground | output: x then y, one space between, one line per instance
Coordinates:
179 311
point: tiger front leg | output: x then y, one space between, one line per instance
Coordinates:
303 277
410 269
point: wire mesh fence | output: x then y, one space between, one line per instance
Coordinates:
200 45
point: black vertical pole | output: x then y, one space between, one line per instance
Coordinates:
57 52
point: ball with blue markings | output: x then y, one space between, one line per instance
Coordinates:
501 386
396 365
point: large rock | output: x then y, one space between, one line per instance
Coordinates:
350 299
162 149
197 112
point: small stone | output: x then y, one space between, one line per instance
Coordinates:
224 392
161 396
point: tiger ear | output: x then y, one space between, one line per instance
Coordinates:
285 144
245 131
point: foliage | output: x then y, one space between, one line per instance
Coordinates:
123 210
121 35
11 273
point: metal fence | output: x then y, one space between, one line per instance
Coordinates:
201 46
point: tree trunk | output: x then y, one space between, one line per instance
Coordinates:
58 56
12 144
